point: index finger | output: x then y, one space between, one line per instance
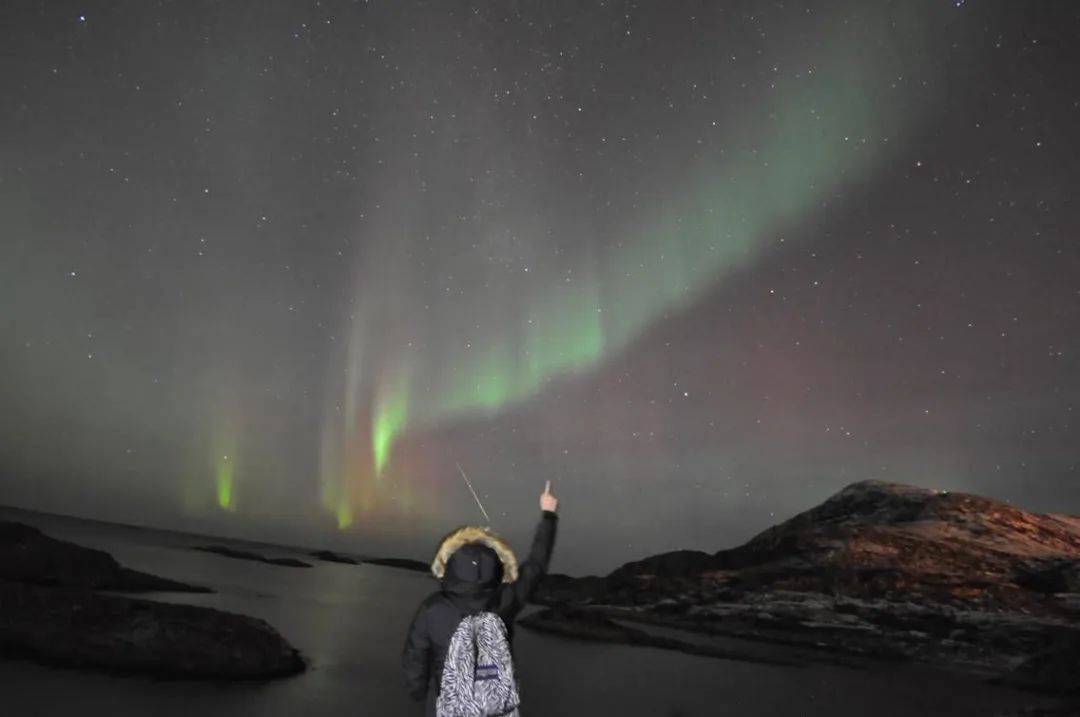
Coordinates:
547 487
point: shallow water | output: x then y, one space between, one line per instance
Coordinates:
350 621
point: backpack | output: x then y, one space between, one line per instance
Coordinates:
478 675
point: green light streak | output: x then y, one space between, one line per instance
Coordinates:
224 481
344 515
388 422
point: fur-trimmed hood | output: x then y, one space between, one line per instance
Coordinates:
474 535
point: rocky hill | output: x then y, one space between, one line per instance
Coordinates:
878 569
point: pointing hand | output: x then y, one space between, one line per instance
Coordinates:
548 501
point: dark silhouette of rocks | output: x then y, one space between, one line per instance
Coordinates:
332 557
50 611
878 570
403 563
80 628
255 557
29 556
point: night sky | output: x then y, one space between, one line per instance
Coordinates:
274 269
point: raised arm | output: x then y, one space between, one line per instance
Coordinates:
535 566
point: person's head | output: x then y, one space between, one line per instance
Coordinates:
474 556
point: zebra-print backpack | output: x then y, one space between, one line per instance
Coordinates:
478 675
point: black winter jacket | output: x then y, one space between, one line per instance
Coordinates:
476 570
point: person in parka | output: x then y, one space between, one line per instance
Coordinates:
477 572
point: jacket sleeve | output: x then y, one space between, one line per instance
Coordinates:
416 657
536 565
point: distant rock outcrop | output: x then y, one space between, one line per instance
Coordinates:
403 563
29 556
254 557
50 610
878 569
332 557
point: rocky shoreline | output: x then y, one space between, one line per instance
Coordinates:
401 563
80 628
54 608
879 571
227 552
330 556
29 556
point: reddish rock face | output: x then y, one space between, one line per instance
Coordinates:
876 539
878 570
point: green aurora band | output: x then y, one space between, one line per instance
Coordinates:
224 482
389 421
822 132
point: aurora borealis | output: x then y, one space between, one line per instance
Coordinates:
273 270
525 324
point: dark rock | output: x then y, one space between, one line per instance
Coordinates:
29 556
255 557
677 563
49 611
403 563
80 628
1050 576
558 589
332 557
287 562
1055 667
